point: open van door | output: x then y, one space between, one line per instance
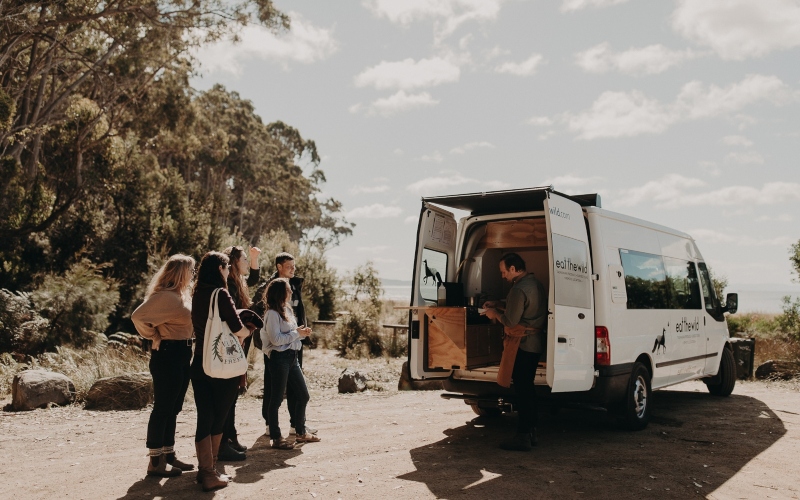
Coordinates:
570 325
434 262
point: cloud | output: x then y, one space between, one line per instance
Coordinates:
358 189
664 191
372 249
737 140
304 43
628 114
411 219
573 5
524 68
435 157
448 15
408 74
540 121
374 211
396 103
771 193
570 181
648 60
739 29
734 238
776 218
460 150
744 157
439 184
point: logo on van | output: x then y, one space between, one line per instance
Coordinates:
571 266
558 213
661 341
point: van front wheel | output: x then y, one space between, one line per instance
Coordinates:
725 380
636 409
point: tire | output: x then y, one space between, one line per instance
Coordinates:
486 412
635 412
725 380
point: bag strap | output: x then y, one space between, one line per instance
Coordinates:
213 305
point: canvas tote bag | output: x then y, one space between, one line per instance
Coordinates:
223 356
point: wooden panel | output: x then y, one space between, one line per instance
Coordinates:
446 344
484 345
514 234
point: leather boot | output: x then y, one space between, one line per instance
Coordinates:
159 467
228 454
168 452
206 474
236 445
216 440
520 442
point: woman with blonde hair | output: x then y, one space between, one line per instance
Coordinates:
230 449
165 318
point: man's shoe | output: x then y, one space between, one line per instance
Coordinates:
228 454
520 442
236 445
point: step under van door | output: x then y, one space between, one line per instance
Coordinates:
570 326
434 262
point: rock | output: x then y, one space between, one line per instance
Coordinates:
351 381
39 389
125 392
255 389
406 384
778 370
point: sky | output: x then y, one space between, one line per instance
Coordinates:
685 113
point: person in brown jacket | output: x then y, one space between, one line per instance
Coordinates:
165 318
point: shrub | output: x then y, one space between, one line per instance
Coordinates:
789 321
16 309
359 333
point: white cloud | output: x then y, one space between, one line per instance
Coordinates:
710 168
540 121
440 184
304 43
663 191
524 68
374 211
358 189
411 219
737 239
435 157
739 29
470 146
567 182
398 151
628 114
409 74
776 218
373 249
648 60
448 15
737 140
573 5
744 157
771 193
396 103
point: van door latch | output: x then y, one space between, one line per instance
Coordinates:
595 277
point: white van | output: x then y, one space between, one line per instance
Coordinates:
631 303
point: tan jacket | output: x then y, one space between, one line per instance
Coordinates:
163 316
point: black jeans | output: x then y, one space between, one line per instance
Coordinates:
523 375
214 398
169 366
286 375
291 400
229 429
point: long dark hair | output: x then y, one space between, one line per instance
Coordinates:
208 273
277 296
241 295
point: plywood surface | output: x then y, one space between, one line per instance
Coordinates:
446 341
514 234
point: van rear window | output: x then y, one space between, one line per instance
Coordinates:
656 282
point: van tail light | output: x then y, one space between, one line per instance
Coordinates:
603 346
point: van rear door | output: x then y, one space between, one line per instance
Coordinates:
434 262
570 328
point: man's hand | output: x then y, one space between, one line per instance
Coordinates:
491 313
304 331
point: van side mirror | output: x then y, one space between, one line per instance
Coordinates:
731 303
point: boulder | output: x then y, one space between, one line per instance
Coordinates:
125 392
778 370
40 388
406 384
351 381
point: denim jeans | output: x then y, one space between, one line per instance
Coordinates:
523 375
286 375
169 366
291 400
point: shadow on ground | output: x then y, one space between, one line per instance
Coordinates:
694 443
261 459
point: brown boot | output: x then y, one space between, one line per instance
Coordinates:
158 466
168 452
206 475
216 440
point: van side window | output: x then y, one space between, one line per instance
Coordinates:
432 272
645 280
684 288
709 297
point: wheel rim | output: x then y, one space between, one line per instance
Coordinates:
640 397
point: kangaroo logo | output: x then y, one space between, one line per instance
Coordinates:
659 343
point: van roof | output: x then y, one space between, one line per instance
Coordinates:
514 200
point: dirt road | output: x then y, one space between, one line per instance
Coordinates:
416 445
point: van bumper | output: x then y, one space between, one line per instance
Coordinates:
609 388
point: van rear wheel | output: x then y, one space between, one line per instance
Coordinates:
636 408
724 382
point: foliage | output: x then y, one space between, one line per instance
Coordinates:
794 257
789 321
16 310
720 283
359 332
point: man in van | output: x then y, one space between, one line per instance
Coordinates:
525 310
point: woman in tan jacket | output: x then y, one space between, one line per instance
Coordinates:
165 317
